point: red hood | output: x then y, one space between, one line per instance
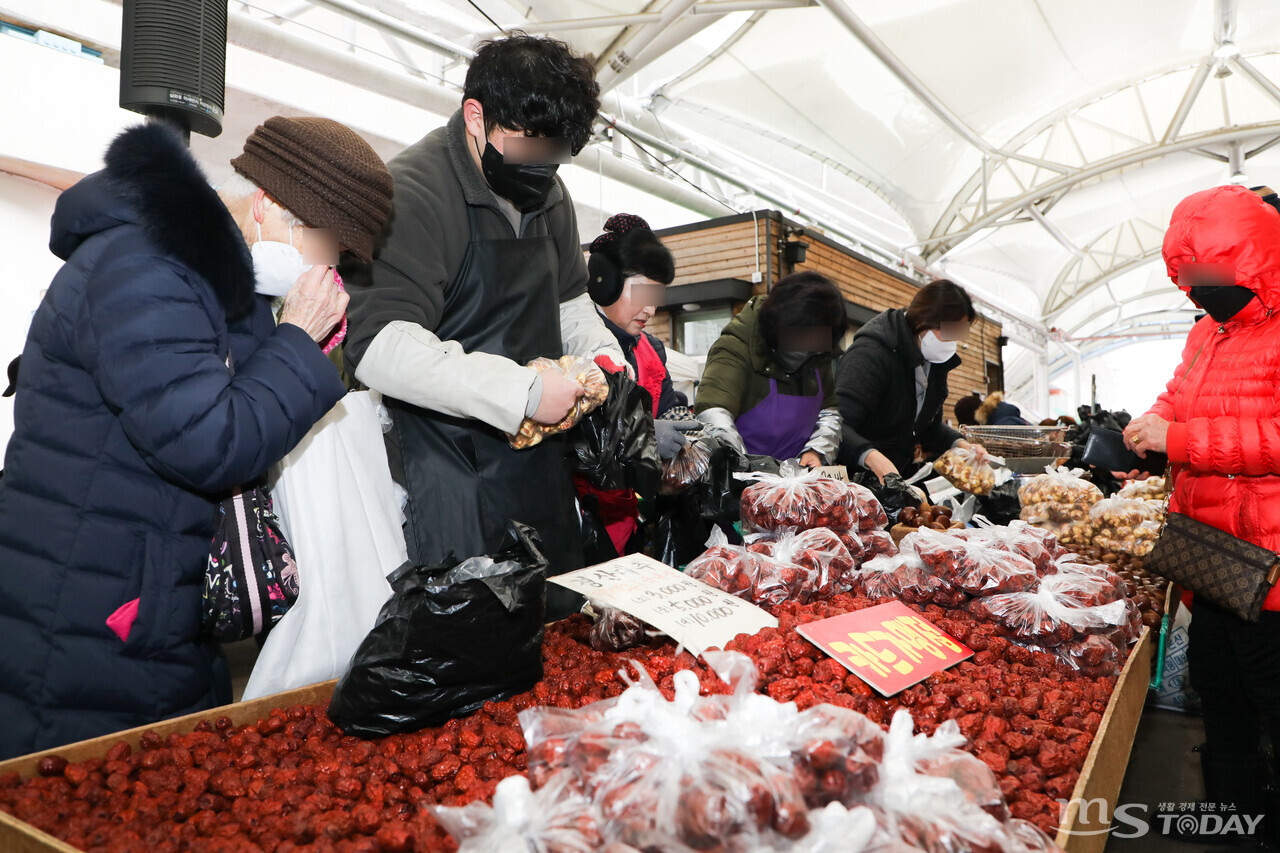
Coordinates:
1227 225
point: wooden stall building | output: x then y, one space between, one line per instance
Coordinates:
716 262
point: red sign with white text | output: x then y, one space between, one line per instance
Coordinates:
889 646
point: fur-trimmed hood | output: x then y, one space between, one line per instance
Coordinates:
151 180
988 407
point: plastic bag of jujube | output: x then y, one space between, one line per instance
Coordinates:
801 500
820 552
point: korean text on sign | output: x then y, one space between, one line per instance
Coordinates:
888 646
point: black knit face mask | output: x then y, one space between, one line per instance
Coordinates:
1222 302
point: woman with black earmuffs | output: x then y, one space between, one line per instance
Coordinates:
628 270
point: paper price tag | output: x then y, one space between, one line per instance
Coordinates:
835 472
889 646
686 609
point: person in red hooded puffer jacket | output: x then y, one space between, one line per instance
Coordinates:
1219 421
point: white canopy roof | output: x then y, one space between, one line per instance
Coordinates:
1032 150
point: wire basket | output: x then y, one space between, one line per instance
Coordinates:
1019 441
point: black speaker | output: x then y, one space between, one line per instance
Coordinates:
173 61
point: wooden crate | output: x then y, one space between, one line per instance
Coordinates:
19 837
1108 758
1101 776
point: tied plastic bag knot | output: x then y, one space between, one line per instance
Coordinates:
554 819
498 577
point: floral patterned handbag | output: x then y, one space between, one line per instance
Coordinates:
251 579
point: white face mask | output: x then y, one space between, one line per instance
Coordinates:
935 350
276 266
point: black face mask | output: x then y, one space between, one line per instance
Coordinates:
1222 302
525 185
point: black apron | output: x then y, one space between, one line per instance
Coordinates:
464 480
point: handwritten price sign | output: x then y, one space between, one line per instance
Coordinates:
888 646
687 610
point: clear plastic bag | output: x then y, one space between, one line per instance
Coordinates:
1059 487
1055 513
690 465
1053 614
820 552
614 630
556 818
1015 540
1126 525
836 829
837 755
869 544
969 565
967 470
801 500
1091 584
1152 488
1094 655
579 369
932 798
904 577
690 774
747 574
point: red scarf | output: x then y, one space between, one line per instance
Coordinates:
650 371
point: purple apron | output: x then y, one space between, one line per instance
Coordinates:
780 425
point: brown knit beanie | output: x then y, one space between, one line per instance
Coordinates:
323 173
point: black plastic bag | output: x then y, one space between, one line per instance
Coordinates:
614 447
450 638
720 492
597 545
894 494
679 530
1001 506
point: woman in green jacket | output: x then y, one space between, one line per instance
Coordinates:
768 386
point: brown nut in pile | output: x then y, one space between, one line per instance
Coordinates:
932 517
580 370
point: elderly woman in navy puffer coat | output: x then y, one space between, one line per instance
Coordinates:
154 379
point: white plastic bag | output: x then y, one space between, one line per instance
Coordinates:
338 508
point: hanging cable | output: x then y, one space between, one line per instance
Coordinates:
667 166
487 18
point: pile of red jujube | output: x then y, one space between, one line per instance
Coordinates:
1029 701
293 782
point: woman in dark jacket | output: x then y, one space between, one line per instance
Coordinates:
154 380
768 386
893 381
628 269
993 411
